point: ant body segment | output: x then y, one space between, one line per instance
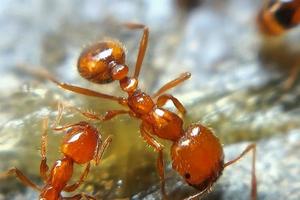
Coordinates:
276 18
81 144
197 154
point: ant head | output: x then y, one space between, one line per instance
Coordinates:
198 157
97 62
80 142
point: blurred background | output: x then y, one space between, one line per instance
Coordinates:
236 88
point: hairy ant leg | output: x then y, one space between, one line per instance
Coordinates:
102 146
160 161
142 47
162 100
107 116
16 172
173 83
43 165
251 147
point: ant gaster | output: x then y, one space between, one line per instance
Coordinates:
197 154
81 144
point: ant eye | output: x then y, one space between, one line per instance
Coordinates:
187 175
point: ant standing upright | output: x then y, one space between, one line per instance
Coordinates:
196 153
81 144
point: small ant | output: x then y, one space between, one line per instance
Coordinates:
277 17
197 154
81 144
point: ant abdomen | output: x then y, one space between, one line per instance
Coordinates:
198 157
95 62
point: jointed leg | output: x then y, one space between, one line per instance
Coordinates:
251 147
107 116
73 187
173 83
66 86
21 177
43 165
79 197
142 48
160 161
162 100
101 149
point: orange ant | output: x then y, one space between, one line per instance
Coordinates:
276 18
197 154
81 144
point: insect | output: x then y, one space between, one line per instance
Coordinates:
274 19
278 16
81 144
197 154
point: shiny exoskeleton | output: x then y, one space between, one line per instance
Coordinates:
277 16
197 154
81 144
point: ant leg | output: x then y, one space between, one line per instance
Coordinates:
107 116
73 187
173 83
99 154
289 82
73 88
55 125
43 165
142 47
251 147
79 196
21 177
162 100
160 161
101 149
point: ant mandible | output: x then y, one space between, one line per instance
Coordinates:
277 17
81 144
197 154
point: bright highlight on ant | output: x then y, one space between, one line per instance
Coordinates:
82 143
197 154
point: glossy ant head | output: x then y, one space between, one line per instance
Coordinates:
198 157
80 142
103 62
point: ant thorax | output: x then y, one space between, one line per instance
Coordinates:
140 103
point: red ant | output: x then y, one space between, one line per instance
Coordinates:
81 144
197 154
277 17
